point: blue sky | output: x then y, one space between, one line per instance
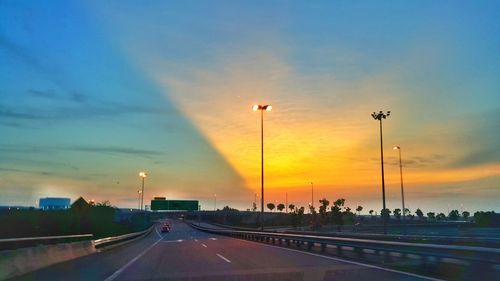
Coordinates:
91 93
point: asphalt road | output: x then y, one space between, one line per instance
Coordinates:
189 254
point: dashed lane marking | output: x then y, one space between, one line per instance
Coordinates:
223 258
204 245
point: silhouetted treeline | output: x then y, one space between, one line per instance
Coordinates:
102 220
487 219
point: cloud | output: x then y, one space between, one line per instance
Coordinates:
48 94
10 113
85 149
43 173
480 138
64 113
115 150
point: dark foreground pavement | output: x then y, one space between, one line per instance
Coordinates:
189 254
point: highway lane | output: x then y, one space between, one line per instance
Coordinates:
97 266
189 254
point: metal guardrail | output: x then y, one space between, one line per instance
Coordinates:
23 242
99 243
476 255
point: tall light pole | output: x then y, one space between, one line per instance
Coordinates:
397 147
262 108
139 199
143 175
215 202
379 116
286 202
312 194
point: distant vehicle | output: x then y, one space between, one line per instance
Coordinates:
165 228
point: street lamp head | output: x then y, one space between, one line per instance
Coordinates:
396 147
143 174
380 115
266 107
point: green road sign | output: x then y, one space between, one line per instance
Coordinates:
161 204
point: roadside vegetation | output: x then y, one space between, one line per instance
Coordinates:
339 215
100 219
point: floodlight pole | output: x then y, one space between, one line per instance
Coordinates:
262 169
379 116
266 107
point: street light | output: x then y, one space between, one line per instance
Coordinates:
215 202
143 175
139 199
379 116
312 194
262 108
397 147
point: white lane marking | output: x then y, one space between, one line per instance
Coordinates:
350 262
161 237
119 271
180 240
222 257
196 240
212 238
171 241
204 245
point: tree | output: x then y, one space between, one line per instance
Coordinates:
348 217
339 202
229 209
490 219
323 209
291 207
280 207
420 214
337 215
397 213
270 206
431 215
407 211
465 215
453 215
297 216
441 217
254 206
385 214
359 209
105 203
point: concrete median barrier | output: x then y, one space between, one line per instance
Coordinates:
20 261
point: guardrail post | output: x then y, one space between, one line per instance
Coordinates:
323 247
387 257
274 240
287 242
339 250
297 242
310 245
360 252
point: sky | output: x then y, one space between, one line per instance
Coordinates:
93 92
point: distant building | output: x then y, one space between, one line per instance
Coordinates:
54 203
